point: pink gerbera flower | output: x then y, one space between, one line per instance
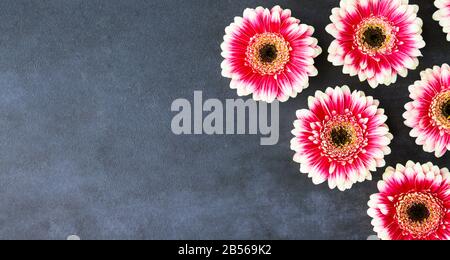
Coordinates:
269 53
341 138
376 39
443 15
413 203
429 112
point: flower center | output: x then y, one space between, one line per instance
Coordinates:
375 36
419 214
341 136
440 110
446 110
268 53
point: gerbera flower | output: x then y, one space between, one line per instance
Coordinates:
413 203
341 138
443 15
429 112
269 53
376 40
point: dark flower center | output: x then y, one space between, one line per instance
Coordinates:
374 37
340 136
268 53
418 212
446 109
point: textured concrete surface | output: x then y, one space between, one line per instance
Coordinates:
85 140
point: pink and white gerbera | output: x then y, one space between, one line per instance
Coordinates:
269 54
443 15
376 40
341 138
413 203
429 112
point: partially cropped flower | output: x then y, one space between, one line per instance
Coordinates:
429 112
341 138
269 54
376 40
443 15
413 203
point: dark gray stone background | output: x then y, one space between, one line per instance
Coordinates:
85 140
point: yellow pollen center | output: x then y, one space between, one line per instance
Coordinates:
375 36
342 136
440 110
419 214
268 53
